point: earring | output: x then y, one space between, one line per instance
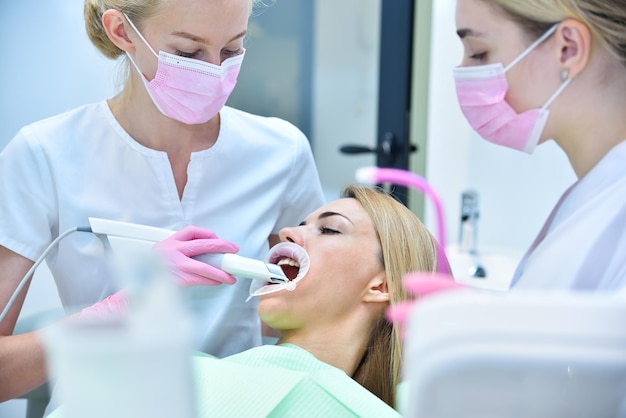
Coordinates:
564 75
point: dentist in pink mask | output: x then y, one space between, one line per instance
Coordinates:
165 151
556 70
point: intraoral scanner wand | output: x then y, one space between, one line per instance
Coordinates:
245 267
130 237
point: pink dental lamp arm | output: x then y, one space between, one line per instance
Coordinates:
419 284
374 175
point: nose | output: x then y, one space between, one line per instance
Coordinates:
291 234
214 57
465 62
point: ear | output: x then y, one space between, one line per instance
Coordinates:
377 289
113 22
574 40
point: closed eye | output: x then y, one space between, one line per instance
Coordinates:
229 53
186 54
328 231
478 56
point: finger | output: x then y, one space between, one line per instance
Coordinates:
193 232
399 312
203 272
204 246
189 279
427 283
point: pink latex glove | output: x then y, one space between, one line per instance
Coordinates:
177 251
191 241
111 306
420 285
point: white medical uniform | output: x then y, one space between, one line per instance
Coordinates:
259 176
582 246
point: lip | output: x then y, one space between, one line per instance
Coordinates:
282 250
288 250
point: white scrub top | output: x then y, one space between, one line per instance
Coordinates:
259 176
582 246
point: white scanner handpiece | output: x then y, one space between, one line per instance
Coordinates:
245 267
129 238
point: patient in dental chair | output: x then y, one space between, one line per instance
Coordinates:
336 347
333 329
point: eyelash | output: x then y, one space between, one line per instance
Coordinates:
227 53
479 56
232 52
328 231
186 54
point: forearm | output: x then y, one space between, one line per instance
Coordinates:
22 365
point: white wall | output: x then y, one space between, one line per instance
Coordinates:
48 64
516 191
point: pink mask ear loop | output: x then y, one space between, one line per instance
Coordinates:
556 93
531 47
528 50
140 35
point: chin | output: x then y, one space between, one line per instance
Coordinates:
268 305
273 310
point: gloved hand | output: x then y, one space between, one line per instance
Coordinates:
176 252
113 305
420 285
191 241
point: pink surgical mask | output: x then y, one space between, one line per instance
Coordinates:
481 90
188 90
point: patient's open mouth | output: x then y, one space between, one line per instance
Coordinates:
294 262
291 258
290 267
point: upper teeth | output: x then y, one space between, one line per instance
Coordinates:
289 261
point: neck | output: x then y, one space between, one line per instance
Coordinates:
343 345
593 116
136 113
586 144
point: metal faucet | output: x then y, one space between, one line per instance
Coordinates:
468 233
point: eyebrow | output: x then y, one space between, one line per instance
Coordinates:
462 33
195 38
328 214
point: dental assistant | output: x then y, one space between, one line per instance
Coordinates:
166 152
556 69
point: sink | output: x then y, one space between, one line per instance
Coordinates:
498 267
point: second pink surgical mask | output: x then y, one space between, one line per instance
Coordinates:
188 90
481 91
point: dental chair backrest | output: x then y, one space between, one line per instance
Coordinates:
521 354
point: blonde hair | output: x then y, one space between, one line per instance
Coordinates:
606 19
137 10
406 246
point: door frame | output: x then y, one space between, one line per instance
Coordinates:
394 94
